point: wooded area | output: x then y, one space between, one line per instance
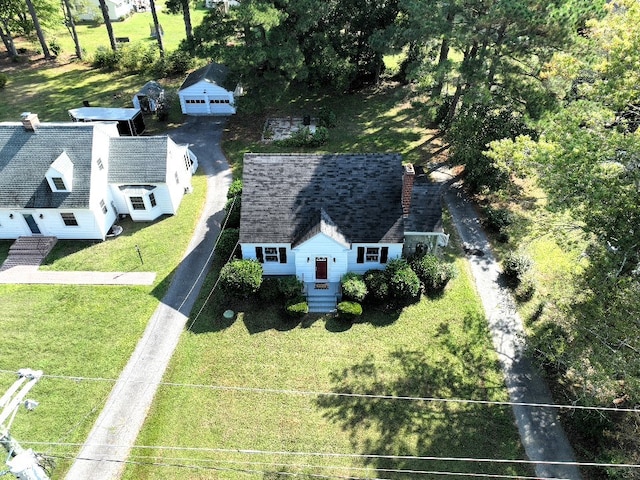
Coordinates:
530 91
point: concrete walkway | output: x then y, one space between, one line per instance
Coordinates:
540 430
30 274
116 429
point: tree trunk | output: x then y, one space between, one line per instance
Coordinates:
107 23
462 85
72 28
186 14
39 33
443 57
154 14
7 39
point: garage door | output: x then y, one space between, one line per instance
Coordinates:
221 106
196 106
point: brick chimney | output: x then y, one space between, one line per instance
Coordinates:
408 177
30 121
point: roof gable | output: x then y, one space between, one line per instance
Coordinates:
284 196
322 224
214 73
27 156
138 159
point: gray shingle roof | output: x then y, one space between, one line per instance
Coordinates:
425 213
214 73
25 157
138 159
283 195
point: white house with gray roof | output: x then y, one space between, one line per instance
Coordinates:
321 216
73 180
206 91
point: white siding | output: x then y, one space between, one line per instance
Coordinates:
50 224
318 247
271 268
212 100
395 251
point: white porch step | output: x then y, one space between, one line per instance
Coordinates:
321 304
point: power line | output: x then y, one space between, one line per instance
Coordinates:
313 475
206 300
369 456
341 467
354 395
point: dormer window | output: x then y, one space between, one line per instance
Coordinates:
58 183
60 174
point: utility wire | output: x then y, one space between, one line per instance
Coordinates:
352 395
354 455
206 300
315 475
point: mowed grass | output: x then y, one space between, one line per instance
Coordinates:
255 383
377 119
86 331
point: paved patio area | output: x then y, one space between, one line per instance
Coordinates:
280 128
31 274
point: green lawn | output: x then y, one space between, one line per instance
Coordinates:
86 331
435 348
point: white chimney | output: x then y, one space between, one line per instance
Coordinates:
30 121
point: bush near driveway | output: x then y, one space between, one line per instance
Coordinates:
241 278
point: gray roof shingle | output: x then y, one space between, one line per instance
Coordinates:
25 157
283 196
425 213
214 73
138 159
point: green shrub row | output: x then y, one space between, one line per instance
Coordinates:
139 57
304 138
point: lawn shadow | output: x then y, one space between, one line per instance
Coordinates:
410 427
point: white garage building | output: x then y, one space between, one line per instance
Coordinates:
204 92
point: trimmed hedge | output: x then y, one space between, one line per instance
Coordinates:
290 286
354 287
349 310
233 214
377 285
3 79
241 277
297 307
404 284
434 274
235 189
227 243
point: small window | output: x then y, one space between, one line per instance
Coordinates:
137 203
271 254
372 254
177 177
152 199
59 183
100 164
69 219
103 206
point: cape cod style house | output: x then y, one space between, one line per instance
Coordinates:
72 180
321 216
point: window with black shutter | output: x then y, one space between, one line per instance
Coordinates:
360 255
384 254
283 255
259 255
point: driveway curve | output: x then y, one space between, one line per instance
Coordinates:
541 433
108 445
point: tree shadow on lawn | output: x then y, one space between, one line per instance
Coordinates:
420 428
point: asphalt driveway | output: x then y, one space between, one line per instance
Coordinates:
116 429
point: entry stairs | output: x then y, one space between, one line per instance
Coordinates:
322 297
28 251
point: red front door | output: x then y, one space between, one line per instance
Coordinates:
321 268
